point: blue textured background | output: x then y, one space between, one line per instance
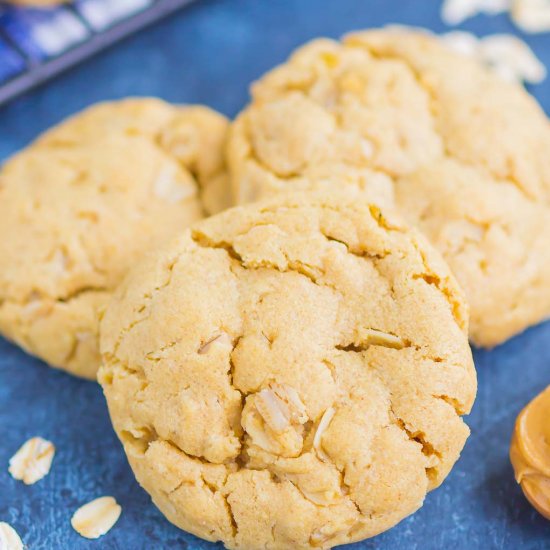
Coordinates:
209 53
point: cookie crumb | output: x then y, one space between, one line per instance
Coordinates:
9 539
32 461
94 519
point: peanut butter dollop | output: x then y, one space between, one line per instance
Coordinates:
530 452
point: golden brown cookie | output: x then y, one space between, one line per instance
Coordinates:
80 205
290 374
462 153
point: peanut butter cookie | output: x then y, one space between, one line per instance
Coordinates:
83 203
396 114
290 374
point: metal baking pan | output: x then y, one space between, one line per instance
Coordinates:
38 44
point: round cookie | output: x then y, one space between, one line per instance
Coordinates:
80 205
290 374
462 153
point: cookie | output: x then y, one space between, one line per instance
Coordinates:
80 205
396 114
290 374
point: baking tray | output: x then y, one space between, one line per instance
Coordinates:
38 44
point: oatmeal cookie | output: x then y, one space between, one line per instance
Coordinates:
290 374
397 115
80 205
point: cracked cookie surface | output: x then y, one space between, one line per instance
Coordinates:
396 115
290 374
80 205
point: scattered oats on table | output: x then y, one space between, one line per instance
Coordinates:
507 55
9 539
32 461
94 519
531 16
454 12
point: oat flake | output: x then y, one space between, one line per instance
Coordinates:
9 539
32 461
96 518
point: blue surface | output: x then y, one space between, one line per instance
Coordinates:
12 62
209 53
